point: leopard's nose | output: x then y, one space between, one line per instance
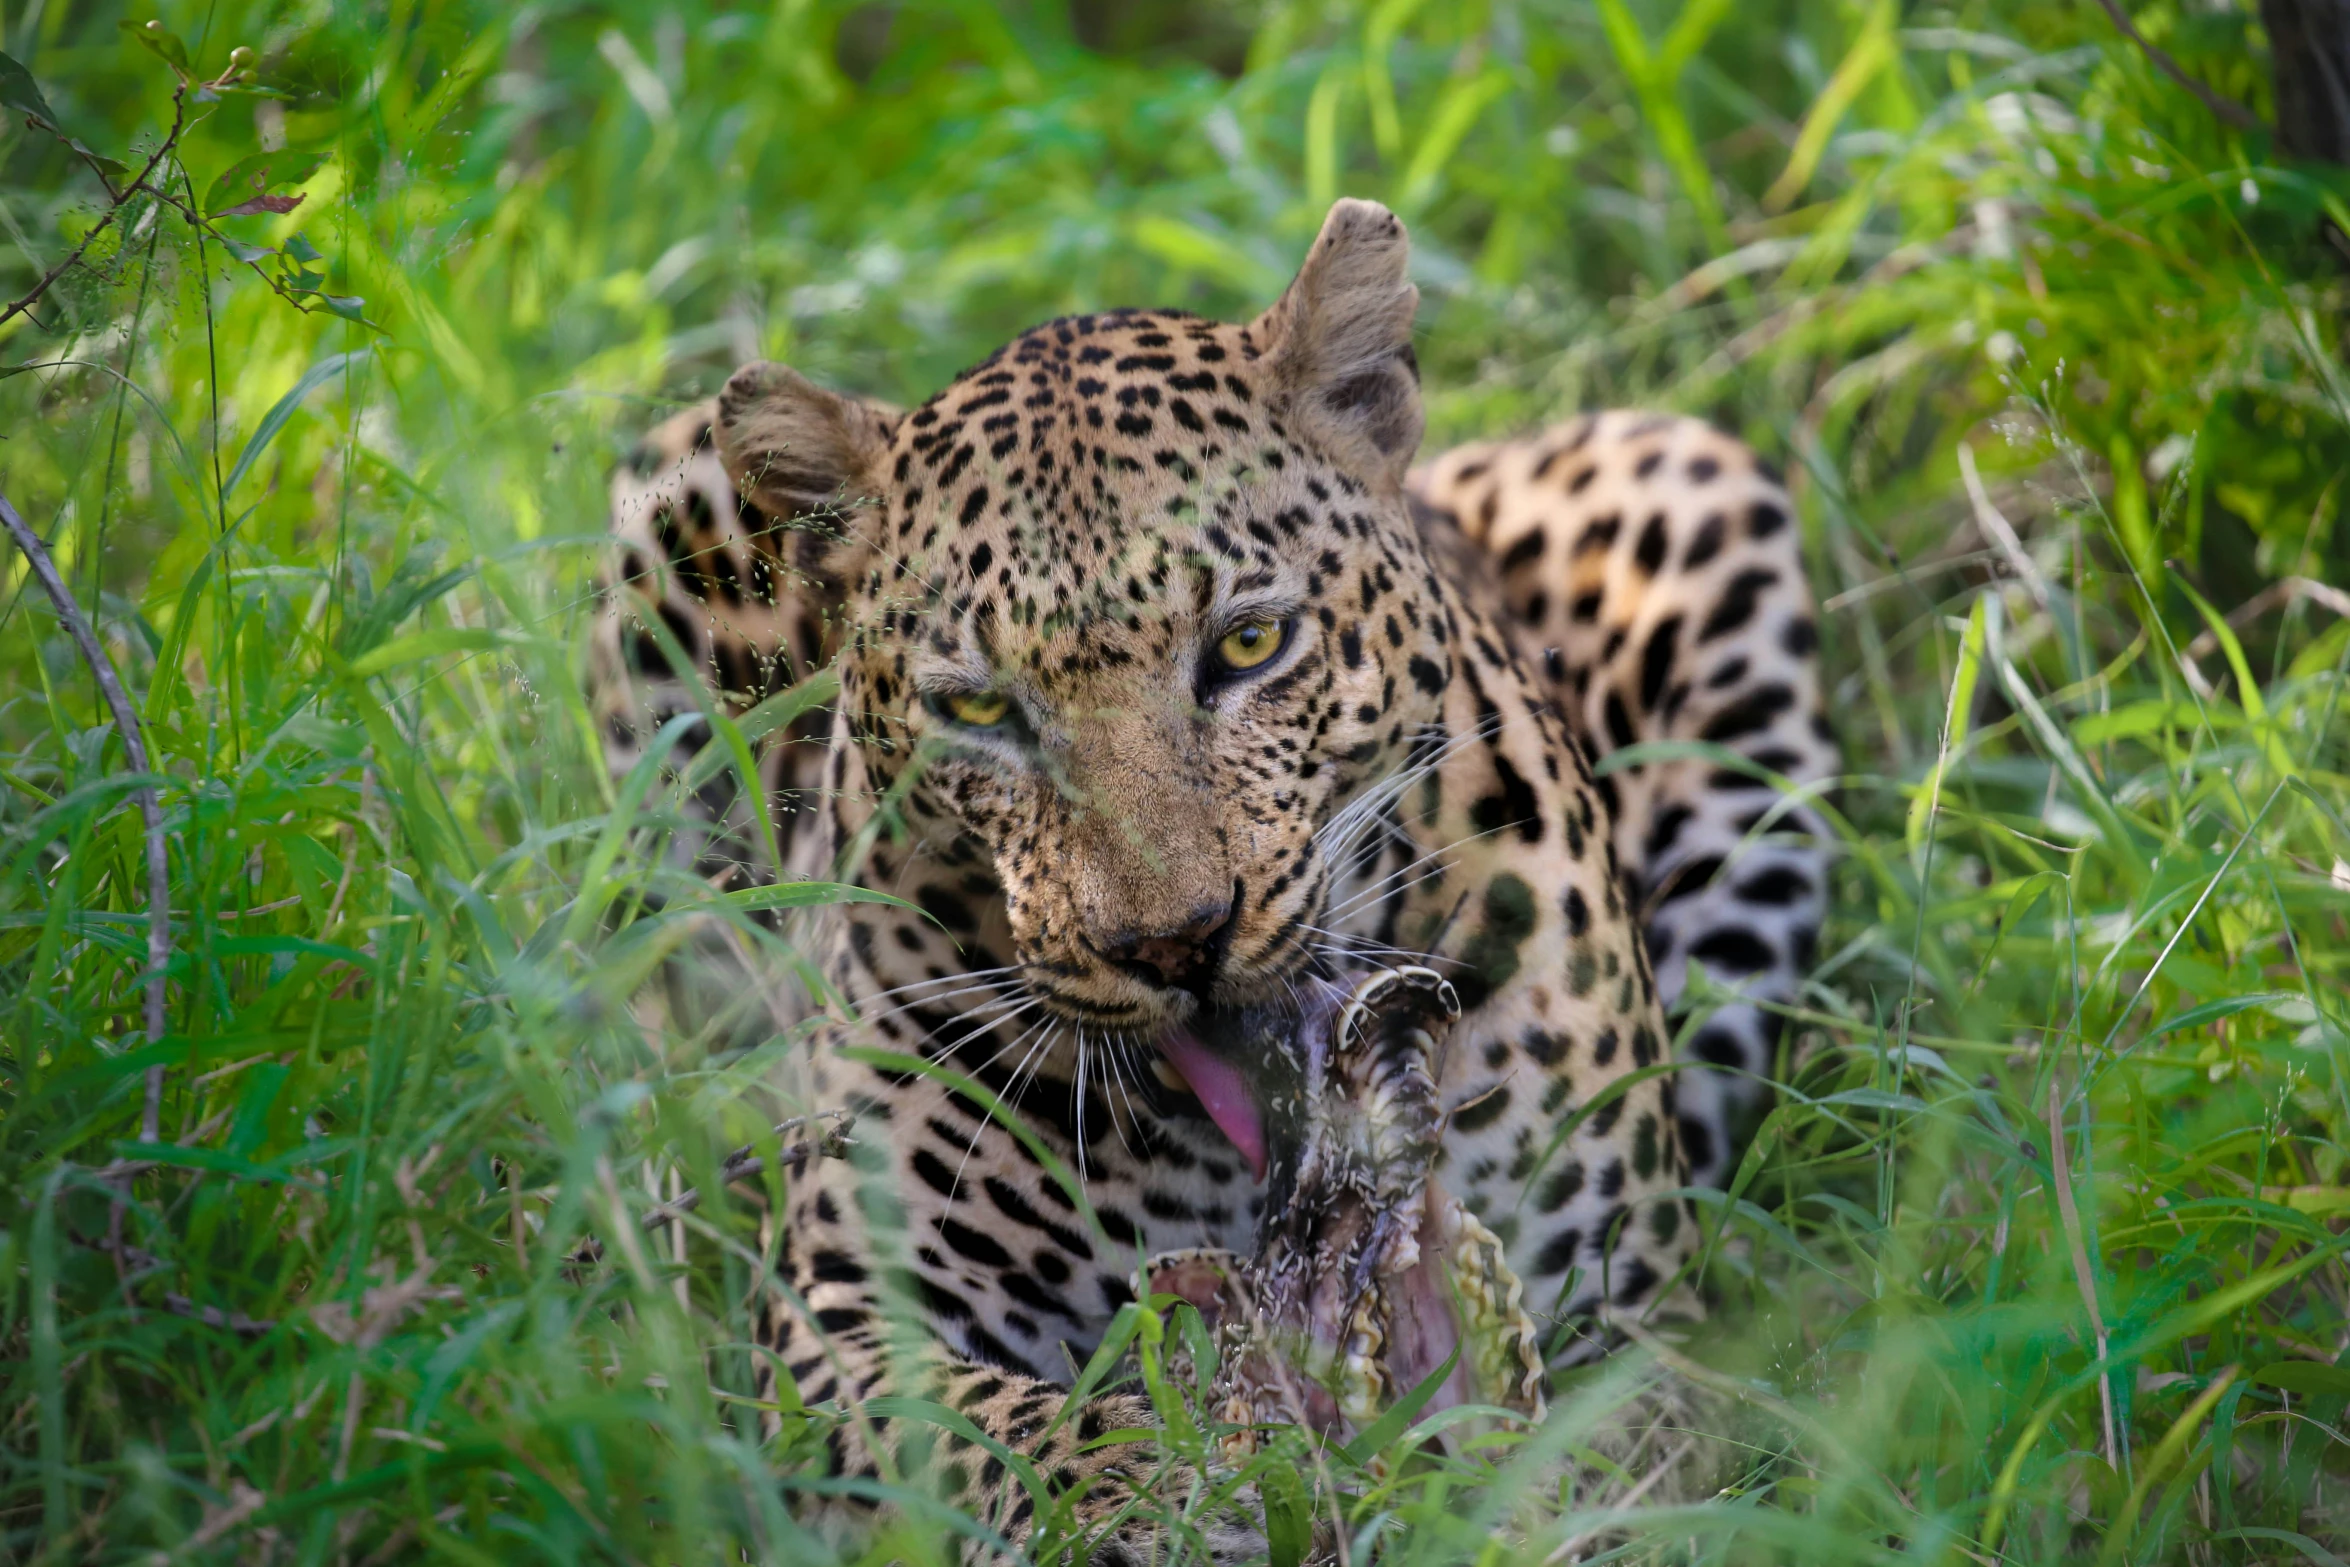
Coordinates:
1184 958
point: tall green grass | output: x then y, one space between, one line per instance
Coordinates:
2041 1258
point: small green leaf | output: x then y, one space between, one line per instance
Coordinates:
1397 1419
2226 1006
348 306
1126 1324
1191 248
455 1352
803 895
262 1087
426 644
163 43
1457 110
251 255
302 250
249 181
113 168
2223 1437
2312 1377
2310 1550
1957 717
1289 1516
20 92
2131 720
275 420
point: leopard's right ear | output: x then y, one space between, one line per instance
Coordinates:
798 451
1339 341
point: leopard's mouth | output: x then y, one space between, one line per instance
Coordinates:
1243 1063
1223 1092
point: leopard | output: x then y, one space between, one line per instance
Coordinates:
1158 680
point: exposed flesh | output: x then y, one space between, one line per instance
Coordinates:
1367 1275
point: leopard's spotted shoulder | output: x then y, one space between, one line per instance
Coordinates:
1653 571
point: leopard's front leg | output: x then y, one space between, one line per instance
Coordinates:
1518 900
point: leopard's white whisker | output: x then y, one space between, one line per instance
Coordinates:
1118 1064
1351 818
961 976
1012 1090
998 996
1355 901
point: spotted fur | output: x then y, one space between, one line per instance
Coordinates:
1074 524
1651 569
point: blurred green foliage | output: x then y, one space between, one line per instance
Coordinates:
1962 268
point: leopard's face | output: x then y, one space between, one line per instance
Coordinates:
1128 635
1131 606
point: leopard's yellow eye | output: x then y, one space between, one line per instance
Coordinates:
979 709
1245 647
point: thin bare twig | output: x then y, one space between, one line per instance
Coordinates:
197 219
115 1246
214 1317
2220 104
134 744
2283 591
1997 528
2268 598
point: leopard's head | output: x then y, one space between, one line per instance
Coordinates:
1133 607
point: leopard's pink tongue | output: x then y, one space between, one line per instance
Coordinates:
1221 1092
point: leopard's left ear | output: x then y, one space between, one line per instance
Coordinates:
797 449
1339 341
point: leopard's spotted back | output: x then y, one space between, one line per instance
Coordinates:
1654 570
